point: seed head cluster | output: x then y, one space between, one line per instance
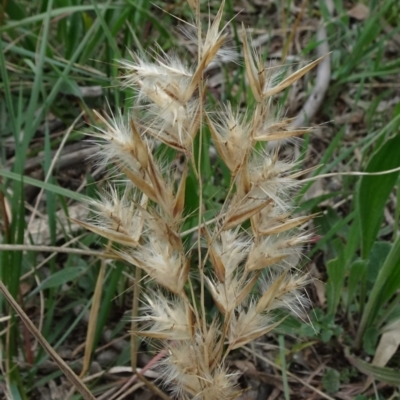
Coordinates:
246 255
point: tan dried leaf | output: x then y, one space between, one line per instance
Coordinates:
360 12
388 344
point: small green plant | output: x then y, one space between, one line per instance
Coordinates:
363 275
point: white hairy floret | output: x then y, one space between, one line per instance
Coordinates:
165 318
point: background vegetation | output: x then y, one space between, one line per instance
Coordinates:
57 64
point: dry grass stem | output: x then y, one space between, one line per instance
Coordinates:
94 312
62 365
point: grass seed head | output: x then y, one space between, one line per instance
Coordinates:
169 108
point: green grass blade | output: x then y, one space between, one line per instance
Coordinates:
34 123
388 375
64 11
374 191
332 232
357 273
29 130
110 38
386 285
7 91
47 186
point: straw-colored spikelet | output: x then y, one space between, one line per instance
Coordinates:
145 218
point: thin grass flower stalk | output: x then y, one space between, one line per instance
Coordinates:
249 273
